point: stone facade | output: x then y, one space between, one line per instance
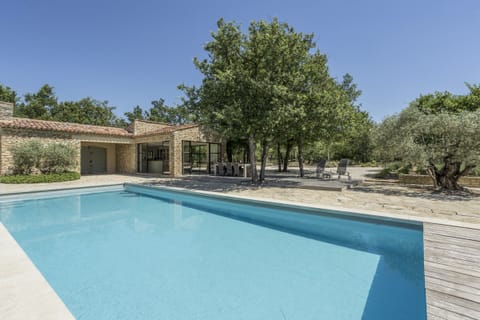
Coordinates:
126 158
120 144
11 137
145 126
6 110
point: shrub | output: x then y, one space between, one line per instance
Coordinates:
58 158
41 178
49 158
26 156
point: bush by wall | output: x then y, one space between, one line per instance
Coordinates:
32 156
26 156
40 178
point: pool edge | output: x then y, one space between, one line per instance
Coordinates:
24 292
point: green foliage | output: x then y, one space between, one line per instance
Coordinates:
40 178
137 114
44 105
37 105
27 156
50 158
7 94
160 112
446 102
268 86
85 111
437 133
58 158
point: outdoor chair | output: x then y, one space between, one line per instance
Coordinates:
229 171
342 169
236 169
321 173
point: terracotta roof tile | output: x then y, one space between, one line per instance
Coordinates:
24 123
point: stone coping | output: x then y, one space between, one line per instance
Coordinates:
24 292
348 211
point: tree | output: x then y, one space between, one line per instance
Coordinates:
85 111
439 132
160 112
137 114
252 82
38 105
7 94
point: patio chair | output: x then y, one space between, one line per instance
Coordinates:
229 171
342 169
321 173
236 169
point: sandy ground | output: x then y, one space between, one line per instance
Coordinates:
381 197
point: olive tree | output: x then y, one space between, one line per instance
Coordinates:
446 144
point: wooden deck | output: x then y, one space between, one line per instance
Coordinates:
452 272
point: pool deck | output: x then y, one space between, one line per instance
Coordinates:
452 272
451 240
24 292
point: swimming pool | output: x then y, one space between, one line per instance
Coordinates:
149 253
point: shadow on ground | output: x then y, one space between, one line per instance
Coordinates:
417 192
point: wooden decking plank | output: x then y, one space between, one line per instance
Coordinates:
453 247
456 232
453 277
456 269
451 257
453 289
452 271
440 238
454 304
445 314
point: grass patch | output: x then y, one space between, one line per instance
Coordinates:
40 178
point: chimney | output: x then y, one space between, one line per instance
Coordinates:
6 110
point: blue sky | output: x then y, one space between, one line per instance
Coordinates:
133 52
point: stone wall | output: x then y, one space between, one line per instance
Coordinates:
191 134
101 139
126 158
6 110
473 182
144 126
111 154
12 137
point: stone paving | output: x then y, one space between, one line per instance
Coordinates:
380 197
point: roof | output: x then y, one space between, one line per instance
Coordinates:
24 123
69 127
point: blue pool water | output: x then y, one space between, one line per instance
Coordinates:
143 254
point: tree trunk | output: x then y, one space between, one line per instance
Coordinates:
253 161
447 177
287 156
279 157
300 158
265 148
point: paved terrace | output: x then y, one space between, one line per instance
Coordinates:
451 231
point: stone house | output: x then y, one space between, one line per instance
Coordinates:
143 147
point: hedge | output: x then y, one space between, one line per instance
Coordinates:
40 178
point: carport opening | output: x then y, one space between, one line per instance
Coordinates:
93 160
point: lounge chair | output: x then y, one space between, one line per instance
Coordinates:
342 169
321 173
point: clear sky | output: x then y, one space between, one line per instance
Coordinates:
132 52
